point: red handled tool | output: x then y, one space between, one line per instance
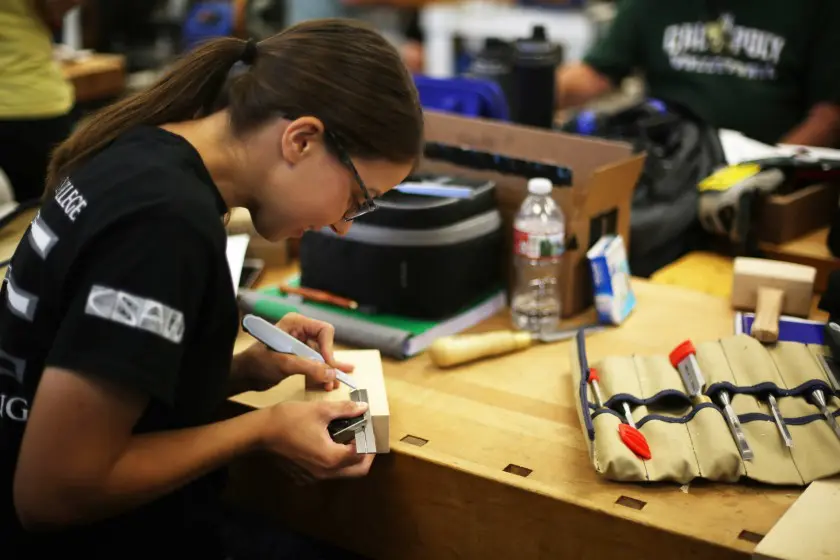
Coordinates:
683 358
629 434
594 379
632 437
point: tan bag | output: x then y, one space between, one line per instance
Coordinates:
689 437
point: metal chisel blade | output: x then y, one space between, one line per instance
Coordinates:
780 422
819 397
738 434
829 372
364 438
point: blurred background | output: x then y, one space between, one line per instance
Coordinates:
438 39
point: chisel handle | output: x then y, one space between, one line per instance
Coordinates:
768 308
458 349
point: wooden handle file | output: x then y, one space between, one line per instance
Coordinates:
454 350
768 308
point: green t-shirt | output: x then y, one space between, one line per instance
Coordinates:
756 66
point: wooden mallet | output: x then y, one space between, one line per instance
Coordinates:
771 288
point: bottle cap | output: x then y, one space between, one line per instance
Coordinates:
540 185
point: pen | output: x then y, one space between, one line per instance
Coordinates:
312 294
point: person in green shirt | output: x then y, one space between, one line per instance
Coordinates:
769 69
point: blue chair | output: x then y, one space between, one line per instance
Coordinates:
470 97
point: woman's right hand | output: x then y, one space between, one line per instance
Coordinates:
298 432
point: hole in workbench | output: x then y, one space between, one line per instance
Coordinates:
414 440
749 536
517 470
632 503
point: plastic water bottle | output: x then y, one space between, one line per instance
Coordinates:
538 245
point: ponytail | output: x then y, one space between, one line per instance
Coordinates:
189 89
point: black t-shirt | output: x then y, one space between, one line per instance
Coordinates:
123 275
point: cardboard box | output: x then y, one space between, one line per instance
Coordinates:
783 218
597 203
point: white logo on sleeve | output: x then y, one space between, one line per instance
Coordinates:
135 311
41 237
21 302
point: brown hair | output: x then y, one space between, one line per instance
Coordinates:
340 71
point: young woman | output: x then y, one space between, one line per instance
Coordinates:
118 314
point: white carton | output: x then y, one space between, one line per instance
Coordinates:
614 298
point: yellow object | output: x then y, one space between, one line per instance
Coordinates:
31 82
458 349
700 271
728 176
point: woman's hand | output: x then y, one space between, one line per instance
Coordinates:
259 368
297 431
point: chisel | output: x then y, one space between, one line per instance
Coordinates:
819 399
683 358
735 426
780 422
458 349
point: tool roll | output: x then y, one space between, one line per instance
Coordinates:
689 437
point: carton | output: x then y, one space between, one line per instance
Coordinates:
597 203
614 297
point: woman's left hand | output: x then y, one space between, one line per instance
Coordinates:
258 368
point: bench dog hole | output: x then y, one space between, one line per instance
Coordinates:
414 440
517 470
749 536
632 503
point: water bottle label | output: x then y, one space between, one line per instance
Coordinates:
537 246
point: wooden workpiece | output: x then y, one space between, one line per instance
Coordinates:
488 461
367 374
808 530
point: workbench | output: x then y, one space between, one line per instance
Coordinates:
488 461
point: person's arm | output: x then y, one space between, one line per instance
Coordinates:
79 461
821 126
80 458
612 59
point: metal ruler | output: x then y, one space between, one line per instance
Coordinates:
365 440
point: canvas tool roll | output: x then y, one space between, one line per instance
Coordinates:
689 437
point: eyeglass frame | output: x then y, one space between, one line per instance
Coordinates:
368 205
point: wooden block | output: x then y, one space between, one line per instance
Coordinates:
809 529
796 281
367 375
